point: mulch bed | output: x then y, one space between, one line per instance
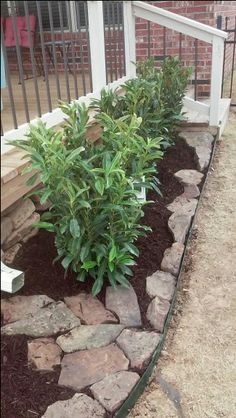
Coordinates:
26 393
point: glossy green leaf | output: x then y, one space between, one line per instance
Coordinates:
74 228
44 225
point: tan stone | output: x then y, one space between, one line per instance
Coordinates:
11 253
188 177
38 206
124 303
44 353
89 309
112 391
45 322
12 207
138 346
21 232
31 234
191 191
6 228
23 211
18 307
161 284
83 368
157 313
184 205
80 406
179 224
172 258
89 336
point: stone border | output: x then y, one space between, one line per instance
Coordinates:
140 387
119 348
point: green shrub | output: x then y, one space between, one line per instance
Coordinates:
156 96
95 212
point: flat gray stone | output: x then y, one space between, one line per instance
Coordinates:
138 346
80 406
89 309
202 144
191 191
203 155
172 258
124 303
112 391
22 212
11 253
89 336
187 177
179 224
197 139
161 284
17 307
47 321
19 234
6 228
83 368
157 313
44 353
184 205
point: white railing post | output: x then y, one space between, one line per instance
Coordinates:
129 36
97 45
216 79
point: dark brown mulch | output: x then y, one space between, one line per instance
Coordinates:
27 393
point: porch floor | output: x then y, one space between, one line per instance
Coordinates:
6 114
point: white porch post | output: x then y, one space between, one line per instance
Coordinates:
129 35
216 79
97 45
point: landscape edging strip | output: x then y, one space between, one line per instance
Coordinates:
140 386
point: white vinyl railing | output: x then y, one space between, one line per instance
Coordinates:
131 10
191 28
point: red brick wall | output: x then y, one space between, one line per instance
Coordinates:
202 11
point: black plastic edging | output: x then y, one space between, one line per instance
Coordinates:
139 388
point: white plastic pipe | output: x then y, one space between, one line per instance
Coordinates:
11 280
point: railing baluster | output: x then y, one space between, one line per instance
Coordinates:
26 9
19 61
196 69
180 46
232 69
96 36
73 53
8 80
54 50
88 43
164 42
114 37
45 67
119 38
129 39
109 40
65 57
149 39
223 71
81 47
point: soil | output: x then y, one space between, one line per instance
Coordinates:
26 393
